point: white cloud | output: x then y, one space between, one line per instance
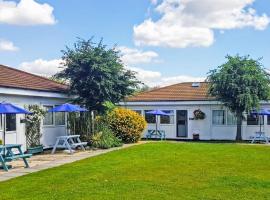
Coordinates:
148 77
154 2
6 45
185 23
42 67
26 12
134 56
154 78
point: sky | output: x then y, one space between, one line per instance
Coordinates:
164 41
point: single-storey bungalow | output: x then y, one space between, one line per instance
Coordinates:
180 101
22 88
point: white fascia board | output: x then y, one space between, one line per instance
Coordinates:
166 103
24 92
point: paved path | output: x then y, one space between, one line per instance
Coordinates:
67 159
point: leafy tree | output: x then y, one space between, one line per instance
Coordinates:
96 74
240 84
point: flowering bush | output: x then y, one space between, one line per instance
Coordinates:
1 142
33 121
198 114
126 124
104 138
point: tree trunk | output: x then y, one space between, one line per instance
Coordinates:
239 127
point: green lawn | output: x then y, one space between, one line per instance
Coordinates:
161 170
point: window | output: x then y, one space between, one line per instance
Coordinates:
138 111
254 119
231 119
60 118
48 118
1 122
11 122
167 119
150 118
218 117
268 120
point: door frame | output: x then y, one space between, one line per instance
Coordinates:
186 124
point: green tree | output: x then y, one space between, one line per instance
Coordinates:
240 84
96 74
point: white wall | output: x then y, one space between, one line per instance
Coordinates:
49 133
205 127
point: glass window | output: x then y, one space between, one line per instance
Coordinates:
1 125
167 119
218 117
48 118
150 118
268 120
138 111
59 118
11 122
254 119
231 119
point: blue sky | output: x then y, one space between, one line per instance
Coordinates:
166 41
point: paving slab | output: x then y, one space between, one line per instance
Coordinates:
46 161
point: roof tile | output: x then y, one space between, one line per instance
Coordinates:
14 78
176 92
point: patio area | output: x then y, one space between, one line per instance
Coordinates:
47 160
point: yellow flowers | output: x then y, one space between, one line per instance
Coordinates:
126 124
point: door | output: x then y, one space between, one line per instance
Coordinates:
182 125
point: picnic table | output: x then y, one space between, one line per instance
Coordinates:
12 152
260 136
156 134
68 142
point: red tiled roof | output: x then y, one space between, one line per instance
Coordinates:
14 78
178 92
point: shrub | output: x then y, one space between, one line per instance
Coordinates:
104 138
126 124
1 142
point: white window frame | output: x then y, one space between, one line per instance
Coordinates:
173 121
53 113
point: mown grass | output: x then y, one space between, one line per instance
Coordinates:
162 170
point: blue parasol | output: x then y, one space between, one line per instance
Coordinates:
8 108
67 108
157 113
260 112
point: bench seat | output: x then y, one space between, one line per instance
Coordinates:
79 144
10 158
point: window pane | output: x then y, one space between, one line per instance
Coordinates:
59 118
1 125
164 119
231 119
11 122
268 120
138 111
218 117
150 118
48 119
254 119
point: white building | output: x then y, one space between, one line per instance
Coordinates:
181 100
22 88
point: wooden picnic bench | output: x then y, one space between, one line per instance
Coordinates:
260 136
11 152
156 134
69 142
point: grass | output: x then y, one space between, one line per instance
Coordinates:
162 170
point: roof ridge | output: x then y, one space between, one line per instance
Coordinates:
21 71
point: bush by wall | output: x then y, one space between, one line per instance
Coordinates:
126 124
1 142
104 138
